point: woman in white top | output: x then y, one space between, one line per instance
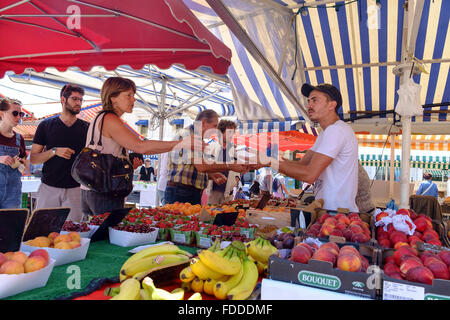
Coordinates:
117 96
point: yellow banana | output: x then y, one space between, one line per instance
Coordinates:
130 289
186 286
145 295
152 251
247 284
224 265
262 267
223 287
160 294
196 296
197 285
111 291
202 271
261 249
150 262
208 286
187 275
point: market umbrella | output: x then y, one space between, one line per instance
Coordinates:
67 33
285 140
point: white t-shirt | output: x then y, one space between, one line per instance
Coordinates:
338 183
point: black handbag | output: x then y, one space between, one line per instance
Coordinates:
101 172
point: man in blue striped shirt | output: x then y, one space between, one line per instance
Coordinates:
427 187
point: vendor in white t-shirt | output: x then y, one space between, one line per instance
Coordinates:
332 163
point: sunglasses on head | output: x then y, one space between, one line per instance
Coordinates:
17 113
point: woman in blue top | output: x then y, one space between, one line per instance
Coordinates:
12 154
427 187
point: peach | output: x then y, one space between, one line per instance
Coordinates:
364 263
340 215
445 256
390 268
34 263
422 224
432 232
74 244
53 235
337 233
348 248
354 216
408 264
398 237
438 268
404 212
300 254
75 236
360 238
349 262
326 230
3 258
399 244
341 226
63 245
344 220
396 275
385 243
331 245
420 274
322 219
330 221
42 253
347 234
12 267
356 229
425 254
404 250
62 238
389 259
42 242
357 223
324 255
307 246
19 256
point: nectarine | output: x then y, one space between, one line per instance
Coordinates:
438 268
420 274
409 263
445 256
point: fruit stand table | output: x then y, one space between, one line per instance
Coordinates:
103 260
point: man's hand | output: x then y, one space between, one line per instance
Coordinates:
241 168
192 142
65 153
218 178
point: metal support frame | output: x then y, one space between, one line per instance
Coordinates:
228 18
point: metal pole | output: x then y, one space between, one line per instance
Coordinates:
406 153
162 105
392 168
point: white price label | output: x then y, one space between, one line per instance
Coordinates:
246 233
205 242
179 237
400 291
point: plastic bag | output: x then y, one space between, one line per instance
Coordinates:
400 222
409 99
391 205
313 241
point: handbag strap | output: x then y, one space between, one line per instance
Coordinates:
100 137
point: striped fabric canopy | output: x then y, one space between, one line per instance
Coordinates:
418 142
354 45
423 162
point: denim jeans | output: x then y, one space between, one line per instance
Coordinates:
10 183
183 194
93 203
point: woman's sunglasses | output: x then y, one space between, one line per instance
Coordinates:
17 113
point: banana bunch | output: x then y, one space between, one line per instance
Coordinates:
259 250
130 289
225 274
151 292
140 264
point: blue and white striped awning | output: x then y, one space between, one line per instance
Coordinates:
354 45
248 127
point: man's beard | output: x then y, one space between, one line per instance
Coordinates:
70 110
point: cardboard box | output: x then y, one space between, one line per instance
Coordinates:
12 284
321 274
395 289
261 218
63 256
128 239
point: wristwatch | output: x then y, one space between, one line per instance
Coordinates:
54 150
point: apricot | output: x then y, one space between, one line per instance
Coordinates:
42 242
3 258
349 262
75 236
19 256
74 244
62 238
9 254
420 274
63 245
42 253
34 263
12 267
53 235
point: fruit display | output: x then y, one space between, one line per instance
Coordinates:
393 238
55 240
260 250
346 258
137 228
407 263
98 219
227 273
350 226
18 262
71 226
284 240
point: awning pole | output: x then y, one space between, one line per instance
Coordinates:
405 162
162 105
392 168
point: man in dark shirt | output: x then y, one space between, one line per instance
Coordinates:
146 171
57 142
